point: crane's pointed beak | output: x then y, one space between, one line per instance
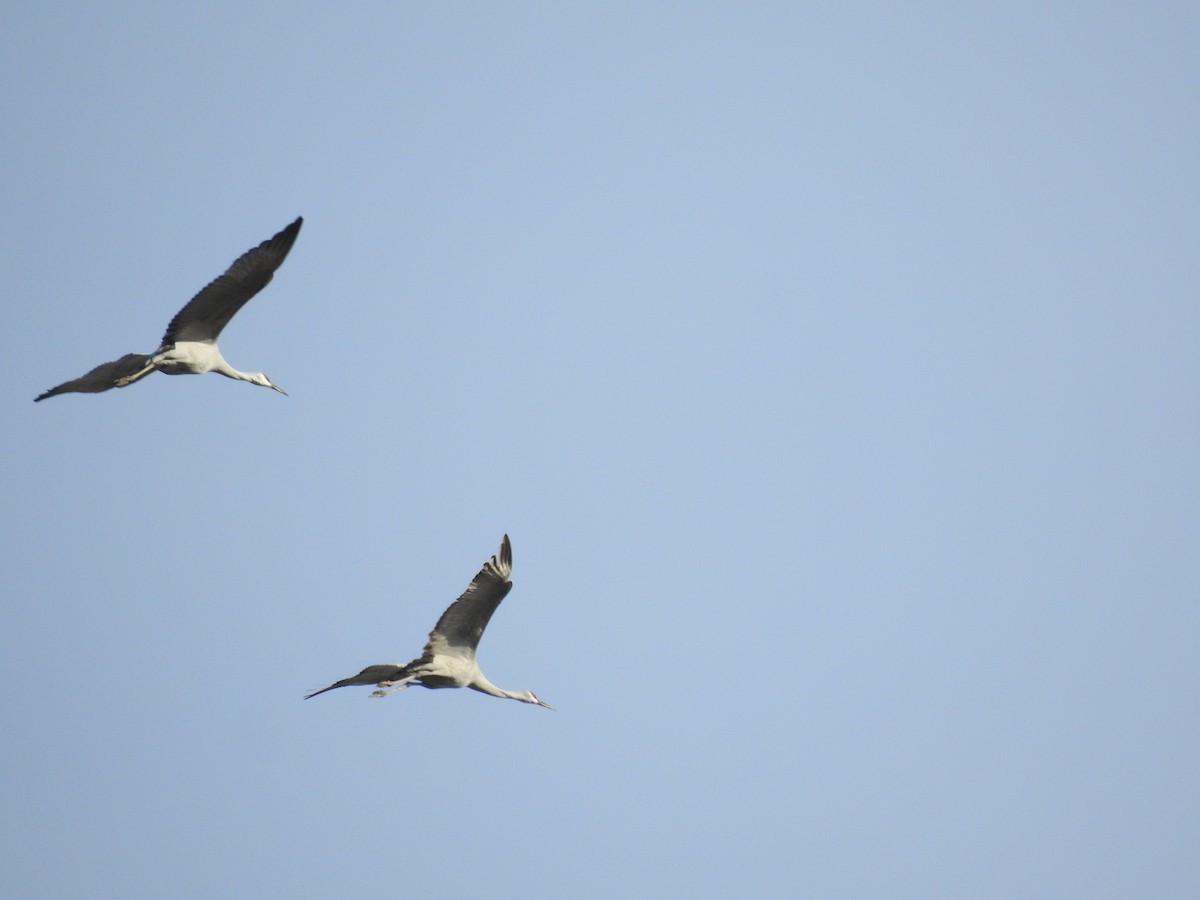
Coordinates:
542 702
278 388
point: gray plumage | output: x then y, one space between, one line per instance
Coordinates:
189 346
448 660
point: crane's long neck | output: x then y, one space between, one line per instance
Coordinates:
221 367
258 378
480 683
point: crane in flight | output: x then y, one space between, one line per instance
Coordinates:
448 660
189 346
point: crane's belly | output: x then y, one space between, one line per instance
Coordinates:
187 358
439 681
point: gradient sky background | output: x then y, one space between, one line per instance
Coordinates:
834 369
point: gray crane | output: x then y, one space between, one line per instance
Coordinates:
448 660
190 345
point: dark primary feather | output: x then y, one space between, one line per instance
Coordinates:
369 675
101 378
463 622
206 314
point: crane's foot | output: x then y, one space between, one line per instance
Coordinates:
388 687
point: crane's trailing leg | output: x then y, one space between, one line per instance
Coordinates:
136 376
390 687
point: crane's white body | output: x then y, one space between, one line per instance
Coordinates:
448 660
189 346
194 358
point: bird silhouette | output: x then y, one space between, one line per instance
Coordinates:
189 346
448 660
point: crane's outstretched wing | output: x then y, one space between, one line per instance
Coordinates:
462 624
101 378
369 675
210 310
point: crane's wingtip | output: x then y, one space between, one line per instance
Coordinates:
289 232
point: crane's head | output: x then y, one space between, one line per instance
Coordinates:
261 378
531 697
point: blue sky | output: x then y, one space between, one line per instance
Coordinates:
833 369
